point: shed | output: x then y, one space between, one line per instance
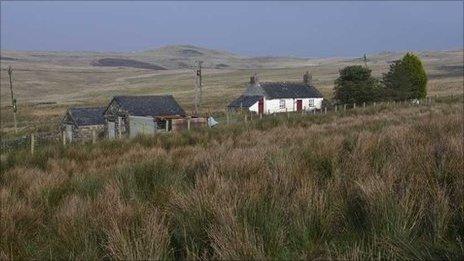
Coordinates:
81 123
134 115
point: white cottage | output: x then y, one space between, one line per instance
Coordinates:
273 97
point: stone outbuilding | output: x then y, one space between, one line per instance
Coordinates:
135 115
83 124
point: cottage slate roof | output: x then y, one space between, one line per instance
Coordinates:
153 105
245 101
87 116
277 90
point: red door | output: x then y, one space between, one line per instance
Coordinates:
261 106
299 105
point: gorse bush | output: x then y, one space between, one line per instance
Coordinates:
374 183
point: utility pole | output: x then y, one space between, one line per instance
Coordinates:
13 100
365 60
199 91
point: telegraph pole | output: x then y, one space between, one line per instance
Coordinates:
13 100
365 60
199 91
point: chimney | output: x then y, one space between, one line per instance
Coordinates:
307 78
254 79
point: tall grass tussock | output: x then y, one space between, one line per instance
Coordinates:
373 183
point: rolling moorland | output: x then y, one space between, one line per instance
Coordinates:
382 182
47 83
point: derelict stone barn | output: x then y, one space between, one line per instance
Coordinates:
273 97
136 115
81 124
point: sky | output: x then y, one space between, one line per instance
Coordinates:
257 28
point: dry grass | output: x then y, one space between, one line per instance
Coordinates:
373 183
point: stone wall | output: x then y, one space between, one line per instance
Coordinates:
84 133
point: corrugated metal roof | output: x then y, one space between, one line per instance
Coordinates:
245 101
87 115
153 105
276 90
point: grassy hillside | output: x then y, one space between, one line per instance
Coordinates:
66 79
373 183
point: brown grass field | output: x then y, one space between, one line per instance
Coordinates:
370 183
382 182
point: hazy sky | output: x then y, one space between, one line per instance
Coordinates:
251 28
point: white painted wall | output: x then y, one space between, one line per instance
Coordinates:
254 107
273 106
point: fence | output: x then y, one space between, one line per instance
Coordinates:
244 116
35 140
31 141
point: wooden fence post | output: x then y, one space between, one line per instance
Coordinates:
261 116
251 116
32 143
94 136
344 107
325 110
375 104
167 125
246 118
188 123
64 138
336 108
354 105
364 104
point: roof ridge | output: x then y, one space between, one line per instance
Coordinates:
88 107
151 95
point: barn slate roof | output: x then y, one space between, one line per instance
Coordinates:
278 90
153 105
85 116
245 101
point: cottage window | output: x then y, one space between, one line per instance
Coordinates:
311 102
282 104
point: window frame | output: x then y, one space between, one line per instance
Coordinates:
311 103
282 104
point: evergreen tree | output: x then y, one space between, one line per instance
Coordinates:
406 79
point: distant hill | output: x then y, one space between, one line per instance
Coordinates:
185 56
167 57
